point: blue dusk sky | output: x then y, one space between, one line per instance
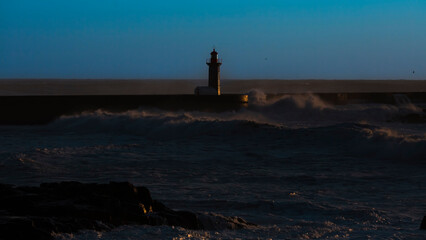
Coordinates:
271 39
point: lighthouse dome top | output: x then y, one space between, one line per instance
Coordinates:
214 52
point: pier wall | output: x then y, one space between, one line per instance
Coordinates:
44 109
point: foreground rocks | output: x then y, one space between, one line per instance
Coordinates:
67 207
423 224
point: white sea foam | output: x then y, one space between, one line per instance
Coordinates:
287 111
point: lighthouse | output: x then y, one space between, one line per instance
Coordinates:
213 88
214 71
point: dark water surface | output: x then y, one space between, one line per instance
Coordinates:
296 166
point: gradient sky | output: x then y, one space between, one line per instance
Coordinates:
271 39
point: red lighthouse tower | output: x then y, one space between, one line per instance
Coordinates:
214 71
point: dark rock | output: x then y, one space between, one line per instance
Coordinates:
21 228
67 207
423 224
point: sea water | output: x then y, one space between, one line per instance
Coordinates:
295 166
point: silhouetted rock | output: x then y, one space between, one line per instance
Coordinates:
423 224
67 207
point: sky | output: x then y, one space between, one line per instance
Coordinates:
165 39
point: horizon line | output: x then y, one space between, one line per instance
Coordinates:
229 79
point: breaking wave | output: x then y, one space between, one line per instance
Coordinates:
280 112
306 118
292 111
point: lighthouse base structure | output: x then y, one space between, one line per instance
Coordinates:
17 110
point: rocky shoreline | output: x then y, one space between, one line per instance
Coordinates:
68 207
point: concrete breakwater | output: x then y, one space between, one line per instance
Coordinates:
366 97
42 109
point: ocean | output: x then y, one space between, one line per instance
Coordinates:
294 165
